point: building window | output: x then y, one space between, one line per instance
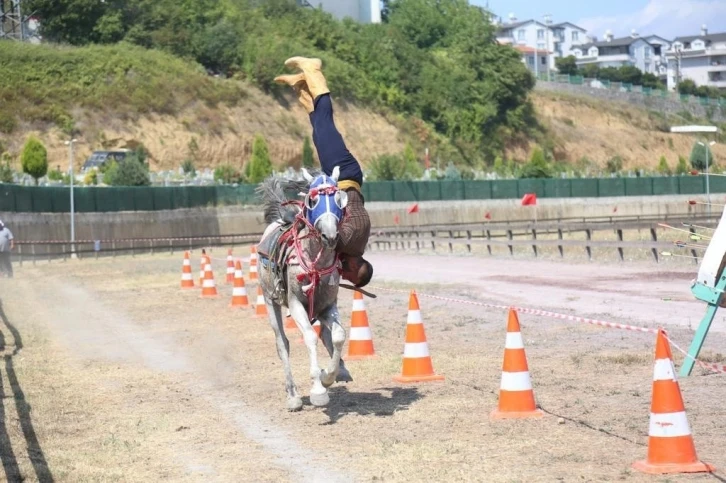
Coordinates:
647 66
575 36
540 34
543 59
520 34
647 52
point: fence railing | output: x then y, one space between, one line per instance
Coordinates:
31 199
627 87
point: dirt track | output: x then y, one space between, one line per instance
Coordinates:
131 379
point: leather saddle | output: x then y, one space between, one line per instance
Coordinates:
273 252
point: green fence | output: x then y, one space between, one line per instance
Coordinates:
14 198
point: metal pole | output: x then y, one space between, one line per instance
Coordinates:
73 210
708 188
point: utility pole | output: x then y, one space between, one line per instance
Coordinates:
73 211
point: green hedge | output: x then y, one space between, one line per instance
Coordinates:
14 198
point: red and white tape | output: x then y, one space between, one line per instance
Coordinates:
545 313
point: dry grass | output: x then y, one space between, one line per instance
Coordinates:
122 416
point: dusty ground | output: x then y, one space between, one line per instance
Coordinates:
123 377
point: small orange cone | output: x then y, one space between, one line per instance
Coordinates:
209 288
253 263
203 263
260 306
417 364
187 280
360 343
670 444
516 397
239 292
230 267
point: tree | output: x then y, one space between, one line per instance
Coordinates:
614 164
700 156
537 166
307 154
663 167
34 158
687 87
682 166
129 172
566 65
411 168
261 166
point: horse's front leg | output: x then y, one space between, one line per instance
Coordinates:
294 401
318 393
327 338
330 319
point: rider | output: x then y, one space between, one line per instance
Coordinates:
314 95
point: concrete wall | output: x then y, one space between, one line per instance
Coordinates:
248 219
670 106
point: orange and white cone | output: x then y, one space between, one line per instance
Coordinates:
670 443
203 263
290 322
239 291
260 306
187 280
253 263
317 327
209 288
417 363
516 397
360 343
230 267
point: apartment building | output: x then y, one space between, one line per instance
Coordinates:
645 53
700 58
544 40
363 11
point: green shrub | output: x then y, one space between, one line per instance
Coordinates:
227 174
260 164
129 172
34 158
663 167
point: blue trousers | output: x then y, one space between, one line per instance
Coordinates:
329 143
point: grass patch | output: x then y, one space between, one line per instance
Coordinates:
627 359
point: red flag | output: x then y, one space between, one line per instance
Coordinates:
488 216
396 220
529 199
413 208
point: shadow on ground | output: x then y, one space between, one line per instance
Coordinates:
344 402
7 454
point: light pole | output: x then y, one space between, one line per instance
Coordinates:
73 211
700 129
708 190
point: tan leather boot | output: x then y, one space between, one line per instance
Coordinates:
297 82
313 74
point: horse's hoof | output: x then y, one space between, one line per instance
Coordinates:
319 400
327 380
343 375
294 404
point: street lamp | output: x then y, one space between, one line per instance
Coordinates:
73 214
700 129
708 191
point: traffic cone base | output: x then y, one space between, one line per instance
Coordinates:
670 442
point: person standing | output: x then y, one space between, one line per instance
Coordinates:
6 245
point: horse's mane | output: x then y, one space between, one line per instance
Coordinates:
276 190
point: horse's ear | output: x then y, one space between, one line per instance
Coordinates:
336 174
308 177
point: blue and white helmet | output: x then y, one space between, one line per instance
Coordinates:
324 197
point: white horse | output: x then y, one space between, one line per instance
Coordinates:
299 269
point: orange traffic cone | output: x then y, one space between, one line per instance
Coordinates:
260 306
290 322
203 263
239 292
209 288
417 364
516 397
230 267
187 280
360 344
253 263
317 327
670 444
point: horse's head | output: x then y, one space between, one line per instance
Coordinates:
325 205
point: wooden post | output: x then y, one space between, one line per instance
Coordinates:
511 247
451 237
468 239
433 240
534 237
560 247
489 237
654 250
32 252
620 249
588 231
693 250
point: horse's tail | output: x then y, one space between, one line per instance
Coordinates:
272 193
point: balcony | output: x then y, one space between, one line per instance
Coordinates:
717 83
